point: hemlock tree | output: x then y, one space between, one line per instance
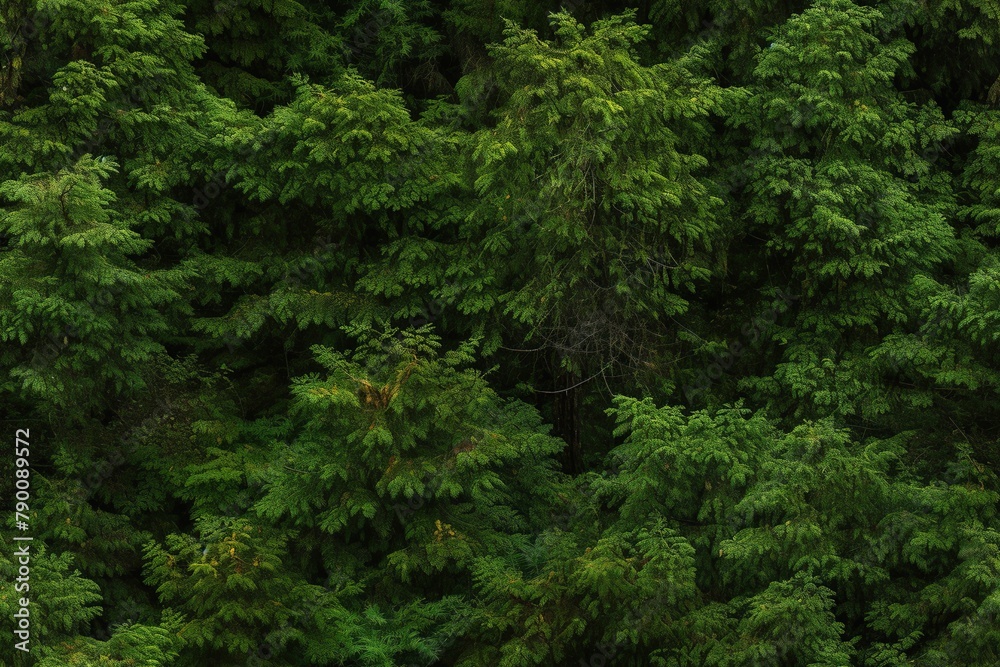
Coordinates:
69 273
395 472
808 547
847 202
594 225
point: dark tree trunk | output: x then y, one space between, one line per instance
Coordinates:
566 415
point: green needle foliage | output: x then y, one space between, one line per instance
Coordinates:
589 189
398 334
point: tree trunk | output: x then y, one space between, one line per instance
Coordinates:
993 96
566 414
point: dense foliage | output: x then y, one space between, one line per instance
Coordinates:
508 333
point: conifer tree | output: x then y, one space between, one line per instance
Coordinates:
589 188
845 199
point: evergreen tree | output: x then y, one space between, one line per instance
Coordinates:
846 202
589 189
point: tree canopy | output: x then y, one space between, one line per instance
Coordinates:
385 333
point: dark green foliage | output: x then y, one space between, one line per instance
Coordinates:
69 273
306 302
846 198
587 183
